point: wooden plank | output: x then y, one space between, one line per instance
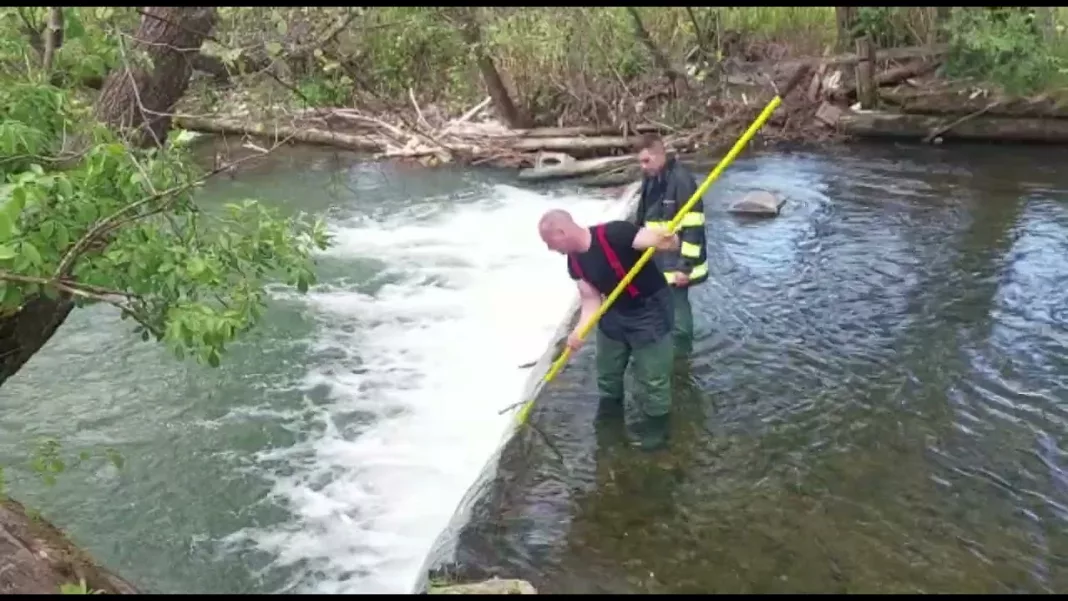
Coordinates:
877 124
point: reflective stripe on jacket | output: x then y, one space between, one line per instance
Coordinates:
662 197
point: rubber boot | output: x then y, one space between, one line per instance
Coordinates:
653 433
609 409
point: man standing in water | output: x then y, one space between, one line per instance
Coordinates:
666 186
636 327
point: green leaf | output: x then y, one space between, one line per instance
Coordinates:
63 184
196 267
7 227
7 252
274 48
12 295
72 25
115 458
13 207
32 255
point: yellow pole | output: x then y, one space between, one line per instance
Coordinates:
735 150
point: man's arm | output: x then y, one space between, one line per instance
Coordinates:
649 237
589 301
692 230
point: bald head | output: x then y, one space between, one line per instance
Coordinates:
560 232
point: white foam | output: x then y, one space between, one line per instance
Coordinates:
433 356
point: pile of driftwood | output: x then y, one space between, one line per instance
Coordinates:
962 111
472 138
909 102
596 156
841 97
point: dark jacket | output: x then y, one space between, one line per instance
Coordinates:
662 197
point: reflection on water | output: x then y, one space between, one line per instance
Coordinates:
877 401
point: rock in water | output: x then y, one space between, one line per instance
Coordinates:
494 586
758 204
36 558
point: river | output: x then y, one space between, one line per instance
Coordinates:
333 445
876 401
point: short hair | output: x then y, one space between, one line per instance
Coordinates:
650 141
555 218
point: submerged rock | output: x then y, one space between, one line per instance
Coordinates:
493 586
37 558
758 204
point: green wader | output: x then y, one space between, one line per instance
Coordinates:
653 353
683 331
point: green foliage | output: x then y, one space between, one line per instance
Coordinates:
89 51
410 47
119 226
48 460
328 87
1002 46
885 26
81 588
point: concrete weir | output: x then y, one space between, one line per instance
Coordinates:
443 551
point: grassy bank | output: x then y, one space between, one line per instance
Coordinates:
597 63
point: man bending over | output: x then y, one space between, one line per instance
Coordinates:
638 325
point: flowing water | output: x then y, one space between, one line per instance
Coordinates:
876 401
333 446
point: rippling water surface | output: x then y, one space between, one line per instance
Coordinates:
331 447
877 400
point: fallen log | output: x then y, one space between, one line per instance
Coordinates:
620 176
845 60
564 132
499 131
571 169
567 143
278 132
876 124
890 77
962 100
390 140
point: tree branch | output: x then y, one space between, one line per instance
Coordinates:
88 292
53 38
119 218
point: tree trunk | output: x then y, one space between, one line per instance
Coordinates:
1046 23
53 38
167 35
942 16
865 73
137 101
661 59
513 115
845 17
978 128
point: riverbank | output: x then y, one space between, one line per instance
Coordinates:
897 94
38 558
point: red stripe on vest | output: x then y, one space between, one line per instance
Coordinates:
575 265
613 260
